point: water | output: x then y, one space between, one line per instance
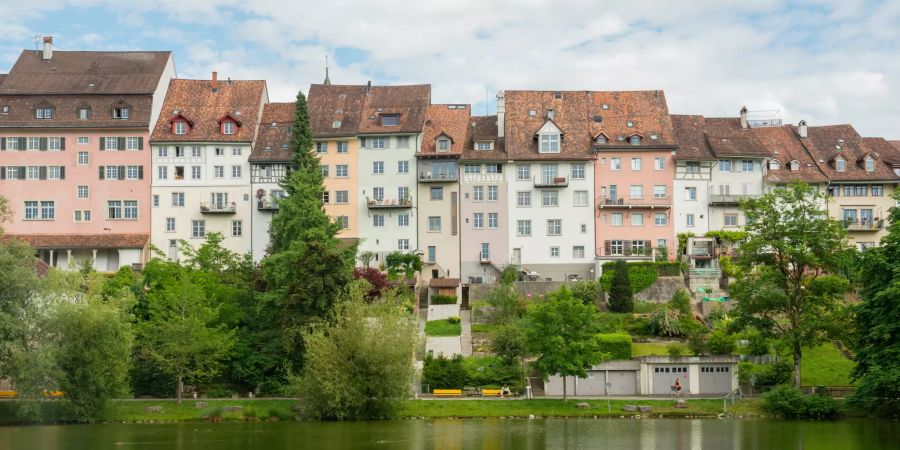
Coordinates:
619 434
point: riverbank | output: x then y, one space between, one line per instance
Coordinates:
166 410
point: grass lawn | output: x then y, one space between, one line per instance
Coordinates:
559 408
825 365
483 327
648 348
438 328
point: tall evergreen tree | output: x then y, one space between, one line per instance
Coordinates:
621 298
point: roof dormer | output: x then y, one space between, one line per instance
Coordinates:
840 163
43 110
549 137
635 139
121 109
443 142
868 161
795 165
774 164
601 138
180 124
228 124
389 120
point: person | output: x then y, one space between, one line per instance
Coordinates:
504 391
677 386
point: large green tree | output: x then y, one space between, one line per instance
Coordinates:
19 286
621 299
560 331
787 256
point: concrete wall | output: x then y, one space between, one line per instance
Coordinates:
661 290
442 312
526 288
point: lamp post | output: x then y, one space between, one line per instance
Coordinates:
608 403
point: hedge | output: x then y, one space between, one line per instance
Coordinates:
440 299
617 345
642 274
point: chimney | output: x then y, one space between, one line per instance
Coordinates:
501 113
802 129
48 48
745 119
368 86
215 81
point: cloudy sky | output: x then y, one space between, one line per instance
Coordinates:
827 61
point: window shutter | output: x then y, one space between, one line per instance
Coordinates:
62 143
43 143
121 172
102 143
102 173
42 173
62 172
606 248
2 143
121 143
140 172
363 142
23 143
140 143
21 172
2 173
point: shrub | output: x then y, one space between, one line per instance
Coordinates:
442 372
721 343
506 303
620 292
774 374
640 274
788 402
588 292
681 302
697 343
508 342
492 372
440 299
509 274
616 345
757 343
676 349
665 322
668 268
610 322
745 372
376 278
453 319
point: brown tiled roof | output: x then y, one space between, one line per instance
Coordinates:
784 146
2 77
702 138
410 102
887 151
691 137
823 143
274 138
85 73
444 282
65 115
83 240
581 116
445 120
199 103
328 103
484 128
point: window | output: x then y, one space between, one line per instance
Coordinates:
54 143
870 165
376 142
341 197
775 165
34 143
730 220
402 166
484 145
659 163
180 127
437 193
492 193
636 191
84 113
121 113
578 251
659 191
634 140
236 151
114 209
31 210
82 191
54 172
443 144
219 171
636 164
220 152
554 252
131 209
378 167
554 227
580 198
692 167
493 220
402 141
471 168
48 210
601 138
689 220
523 199
577 171
12 143
43 113
478 194
336 124
478 220
746 165
615 163
485 250
378 220
615 219
724 165
637 220
690 193
198 228
434 224
178 199
403 244
378 193
403 220
390 120
321 147
155 200
549 143
195 172
112 172
877 190
170 224
344 222
523 172
342 171
343 147
662 243
523 227
856 190
324 169
82 158
83 215
83 140
162 172
326 197
162 152
133 172
34 173
228 127
660 219
549 198
237 228
493 168
402 193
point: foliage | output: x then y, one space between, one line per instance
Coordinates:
791 243
509 274
440 299
587 291
399 263
359 366
774 374
641 275
615 345
620 292
728 236
376 279
790 403
438 328
506 304
721 343
5 212
560 331
758 344
19 284
825 365
729 268
665 322
697 343
676 349
442 372
493 372
301 136
508 343
366 258
681 302
682 242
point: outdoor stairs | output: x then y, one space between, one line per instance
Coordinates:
423 299
844 350
537 384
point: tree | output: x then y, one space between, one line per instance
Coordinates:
790 248
588 291
301 136
506 304
360 366
681 302
508 342
561 331
399 263
620 296
19 285
5 212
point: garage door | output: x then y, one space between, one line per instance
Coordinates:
715 379
622 382
664 378
593 384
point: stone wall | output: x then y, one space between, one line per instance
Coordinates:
526 288
661 290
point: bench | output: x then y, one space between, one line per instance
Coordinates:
447 392
7 394
490 392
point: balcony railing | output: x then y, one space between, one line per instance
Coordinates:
218 208
482 279
266 205
485 258
430 177
560 182
388 203
663 201
730 199
704 272
863 224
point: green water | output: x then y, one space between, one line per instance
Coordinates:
619 434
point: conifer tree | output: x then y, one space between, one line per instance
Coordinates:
620 295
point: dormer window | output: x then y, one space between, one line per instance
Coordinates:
121 112
551 113
390 120
870 164
484 145
228 127
179 127
774 165
601 139
443 144
84 113
840 164
634 140
336 124
4 109
43 113
549 142
795 165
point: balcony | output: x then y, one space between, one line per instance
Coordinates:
266 205
218 208
863 224
704 272
655 202
730 200
429 177
555 182
389 203
485 258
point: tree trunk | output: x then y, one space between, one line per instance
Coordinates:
180 389
798 355
565 391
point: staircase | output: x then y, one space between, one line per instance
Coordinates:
844 350
423 299
537 383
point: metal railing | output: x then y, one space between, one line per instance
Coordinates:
541 182
730 199
426 177
662 201
389 202
863 224
218 207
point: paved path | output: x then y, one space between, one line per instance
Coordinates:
465 339
448 346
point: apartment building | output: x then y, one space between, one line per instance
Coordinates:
632 136
269 161
551 211
444 137
201 173
74 152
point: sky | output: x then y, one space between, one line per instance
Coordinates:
825 61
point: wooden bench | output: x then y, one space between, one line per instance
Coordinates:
447 392
490 392
7 394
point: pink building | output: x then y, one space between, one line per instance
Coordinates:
634 173
75 153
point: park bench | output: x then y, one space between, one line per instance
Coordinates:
490 392
447 392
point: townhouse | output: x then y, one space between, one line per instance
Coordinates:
270 161
632 136
201 174
789 162
551 216
74 152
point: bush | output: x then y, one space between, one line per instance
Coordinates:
697 343
508 342
757 343
444 373
681 302
665 322
453 319
676 349
620 293
488 372
774 374
616 345
721 343
376 278
440 299
588 292
668 268
788 402
640 274
506 303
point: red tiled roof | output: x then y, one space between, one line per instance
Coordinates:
784 146
409 102
197 101
447 120
702 138
826 142
885 150
65 115
330 103
444 282
83 240
273 142
484 128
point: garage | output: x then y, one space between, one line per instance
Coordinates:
622 382
664 378
715 379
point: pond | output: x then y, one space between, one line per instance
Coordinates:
660 434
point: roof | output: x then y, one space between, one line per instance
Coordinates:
90 72
582 115
408 102
137 240
826 142
484 128
887 151
702 138
784 146
65 115
451 121
205 107
273 141
331 104
444 282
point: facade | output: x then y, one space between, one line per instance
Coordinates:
269 162
74 152
201 173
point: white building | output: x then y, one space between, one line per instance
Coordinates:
201 174
269 164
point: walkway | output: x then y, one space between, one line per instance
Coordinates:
465 339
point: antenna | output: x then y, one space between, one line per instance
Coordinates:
487 96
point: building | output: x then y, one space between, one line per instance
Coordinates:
201 173
632 136
269 162
74 152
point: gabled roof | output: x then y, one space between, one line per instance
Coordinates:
328 103
408 102
784 145
710 138
447 120
887 151
273 141
180 116
826 142
240 99
484 129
